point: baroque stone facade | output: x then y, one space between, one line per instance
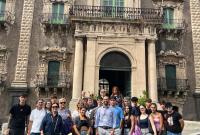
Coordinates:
63 51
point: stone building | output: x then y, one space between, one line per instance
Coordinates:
63 47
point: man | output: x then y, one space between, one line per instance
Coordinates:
36 118
52 123
105 121
174 121
93 112
118 112
90 106
19 115
148 106
134 107
66 116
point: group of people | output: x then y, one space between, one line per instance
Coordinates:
106 115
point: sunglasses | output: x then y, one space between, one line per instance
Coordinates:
62 102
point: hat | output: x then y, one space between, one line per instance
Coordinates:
168 105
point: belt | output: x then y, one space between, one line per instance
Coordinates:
105 127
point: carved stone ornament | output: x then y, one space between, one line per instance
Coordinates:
104 28
171 57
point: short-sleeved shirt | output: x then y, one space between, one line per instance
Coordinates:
119 114
172 124
19 115
37 117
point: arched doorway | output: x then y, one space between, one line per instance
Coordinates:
115 67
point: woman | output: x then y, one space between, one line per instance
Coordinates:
157 118
82 123
47 106
127 123
145 122
52 123
75 113
116 93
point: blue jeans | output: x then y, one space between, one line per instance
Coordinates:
170 133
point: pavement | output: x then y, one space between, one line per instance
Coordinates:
191 128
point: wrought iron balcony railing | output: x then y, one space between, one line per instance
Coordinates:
172 84
173 24
53 18
54 80
108 12
6 17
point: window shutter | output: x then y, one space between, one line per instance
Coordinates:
170 73
53 73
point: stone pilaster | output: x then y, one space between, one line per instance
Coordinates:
78 73
24 43
89 70
152 78
195 21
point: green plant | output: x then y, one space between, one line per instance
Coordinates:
142 99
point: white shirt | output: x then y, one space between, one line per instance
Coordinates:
37 117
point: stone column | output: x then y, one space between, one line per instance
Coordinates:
90 61
78 69
20 79
152 78
195 21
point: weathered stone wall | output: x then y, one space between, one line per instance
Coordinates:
195 21
10 38
192 50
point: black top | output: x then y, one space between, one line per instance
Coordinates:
144 123
127 122
172 124
80 123
19 116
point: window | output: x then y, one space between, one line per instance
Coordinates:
170 73
58 13
113 7
168 17
53 73
2 9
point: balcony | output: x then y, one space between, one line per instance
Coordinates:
173 24
47 85
173 87
54 19
106 13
